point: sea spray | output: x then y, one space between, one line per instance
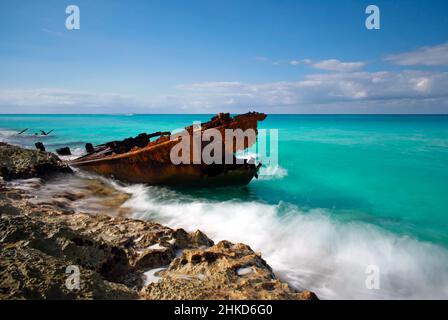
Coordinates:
308 249
388 171
272 172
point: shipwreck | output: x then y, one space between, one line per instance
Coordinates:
148 158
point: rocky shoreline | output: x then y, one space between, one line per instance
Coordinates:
118 257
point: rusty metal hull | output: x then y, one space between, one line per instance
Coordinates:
152 164
141 167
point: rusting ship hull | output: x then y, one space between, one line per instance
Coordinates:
137 171
152 164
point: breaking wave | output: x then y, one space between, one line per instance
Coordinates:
7 135
267 171
75 153
272 172
24 140
308 249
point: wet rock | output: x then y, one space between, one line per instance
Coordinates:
113 253
39 240
65 151
19 163
40 146
188 240
114 201
89 148
6 204
224 271
70 196
28 273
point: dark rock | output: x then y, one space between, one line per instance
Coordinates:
65 151
19 163
40 146
28 273
89 148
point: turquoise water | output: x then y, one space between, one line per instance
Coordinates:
387 170
389 173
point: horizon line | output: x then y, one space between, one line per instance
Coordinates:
207 114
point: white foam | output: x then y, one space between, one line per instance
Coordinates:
244 271
272 172
25 140
308 249
267 171
156 246
6 134
246 154
201 276
75 153
151 277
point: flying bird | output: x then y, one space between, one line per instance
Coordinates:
46 133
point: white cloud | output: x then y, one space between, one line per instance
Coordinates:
424 56
328 65
54 100
293 62
372 90
51 32
337 65
339 92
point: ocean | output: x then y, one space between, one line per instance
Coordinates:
350 192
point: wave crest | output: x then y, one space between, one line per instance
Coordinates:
272 172
308 249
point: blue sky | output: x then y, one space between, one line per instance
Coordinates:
207 56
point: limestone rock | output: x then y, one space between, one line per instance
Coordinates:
224 271
40 239
38 242
28 273
19 163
